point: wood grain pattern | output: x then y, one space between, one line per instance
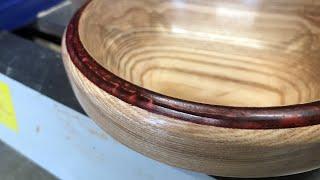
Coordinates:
208 149
140 67
223 116
218 52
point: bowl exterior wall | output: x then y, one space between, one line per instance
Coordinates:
208 149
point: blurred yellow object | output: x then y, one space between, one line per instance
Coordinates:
7 113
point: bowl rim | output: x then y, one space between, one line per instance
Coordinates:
275 117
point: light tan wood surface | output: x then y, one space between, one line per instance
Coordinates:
235 53
207 149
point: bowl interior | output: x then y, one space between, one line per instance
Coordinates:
247 53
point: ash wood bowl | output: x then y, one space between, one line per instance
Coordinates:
228 88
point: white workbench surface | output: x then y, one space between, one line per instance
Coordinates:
70 146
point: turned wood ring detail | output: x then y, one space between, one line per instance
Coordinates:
214 115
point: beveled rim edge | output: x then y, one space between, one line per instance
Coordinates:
276 117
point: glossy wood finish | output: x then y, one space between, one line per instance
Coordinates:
168 57
243 53
209 149
254 118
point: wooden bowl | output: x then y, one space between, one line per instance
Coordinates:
228 88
